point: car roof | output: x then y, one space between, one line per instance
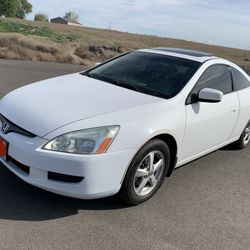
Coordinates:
182 53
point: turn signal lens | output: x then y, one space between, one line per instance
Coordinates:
104 146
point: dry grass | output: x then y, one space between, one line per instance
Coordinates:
38 41
20 47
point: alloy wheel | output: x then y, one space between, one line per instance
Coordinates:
148 173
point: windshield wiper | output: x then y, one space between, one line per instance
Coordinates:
125 85
87 74
115 82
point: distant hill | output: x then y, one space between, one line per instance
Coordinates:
39 41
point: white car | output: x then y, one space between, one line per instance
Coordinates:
123 126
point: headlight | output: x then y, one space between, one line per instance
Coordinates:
88 141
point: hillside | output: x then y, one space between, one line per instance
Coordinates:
28 40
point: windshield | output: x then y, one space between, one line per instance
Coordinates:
154 74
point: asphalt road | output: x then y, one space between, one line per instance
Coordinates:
204 205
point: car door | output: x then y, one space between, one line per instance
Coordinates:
242 86
210 124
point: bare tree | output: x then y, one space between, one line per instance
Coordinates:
71 16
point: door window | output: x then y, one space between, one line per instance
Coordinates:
215 77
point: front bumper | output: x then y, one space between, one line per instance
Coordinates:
101 175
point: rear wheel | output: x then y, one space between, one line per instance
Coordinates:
244 140
146 172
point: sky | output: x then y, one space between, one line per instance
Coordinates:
218 22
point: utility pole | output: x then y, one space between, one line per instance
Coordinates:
109 25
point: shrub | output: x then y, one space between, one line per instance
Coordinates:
40 17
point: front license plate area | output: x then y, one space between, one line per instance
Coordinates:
3 148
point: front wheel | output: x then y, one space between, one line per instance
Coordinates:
146 173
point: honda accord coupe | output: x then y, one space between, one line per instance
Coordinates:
124 125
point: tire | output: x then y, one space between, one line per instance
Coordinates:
146 172
244 140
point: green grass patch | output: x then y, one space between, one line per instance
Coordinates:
25 29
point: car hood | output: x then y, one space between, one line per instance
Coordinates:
45 106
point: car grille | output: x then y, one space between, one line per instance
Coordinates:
14 128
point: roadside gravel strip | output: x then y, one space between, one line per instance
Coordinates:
204 205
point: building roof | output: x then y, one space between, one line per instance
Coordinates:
55 18
68 21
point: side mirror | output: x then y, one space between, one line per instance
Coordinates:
210 95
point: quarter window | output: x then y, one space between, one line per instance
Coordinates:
240 81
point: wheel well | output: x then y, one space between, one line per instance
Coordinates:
171 142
